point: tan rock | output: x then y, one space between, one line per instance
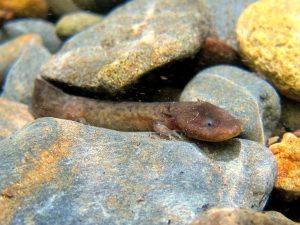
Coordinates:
13 116
26 8
268 33
287 154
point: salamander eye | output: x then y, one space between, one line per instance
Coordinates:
209 123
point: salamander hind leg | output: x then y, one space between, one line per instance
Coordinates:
165 132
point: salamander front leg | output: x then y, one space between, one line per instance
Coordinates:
165 132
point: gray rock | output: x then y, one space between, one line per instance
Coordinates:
136 38
62 172
73 23
19 81
225 15
290 114
13 116
45 29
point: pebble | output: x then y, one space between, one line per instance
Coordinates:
61 7
268 36
225 15
102 6
13 116
73 23
136 38
290 114
231 216
58 170
24 8
41 27
10 50
19 81
287 154
244 95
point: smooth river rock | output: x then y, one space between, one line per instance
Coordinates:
62 172
19 81
243 94
132 41
13 116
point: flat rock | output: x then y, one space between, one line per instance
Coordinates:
24 8
43 28
73 23
225 15
231 216
10 50
13 116
241 93
268 36
135 39
19 81
61 7
62 172
287 154
290 114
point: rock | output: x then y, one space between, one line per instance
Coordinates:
249 98
26 8
41 27
62 172
290 114
225 15
231 216
270 51
102 6
61 7
287 154
132 41
5 16
71 24
20 78
9 51
13 116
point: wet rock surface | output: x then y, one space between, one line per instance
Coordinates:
270 51
43 28
19 81
75 173
230 216
9 51
133 40
287 154
246 96
13 116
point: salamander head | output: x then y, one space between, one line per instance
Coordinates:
207 122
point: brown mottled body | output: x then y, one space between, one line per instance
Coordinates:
199 120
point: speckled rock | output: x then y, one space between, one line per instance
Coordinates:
101 6
290 114
287 154
9 51
73 23
13 116
243 94
61 7
41 27
268 35
62 172
225 16
136 38
231 216
20 78
26 8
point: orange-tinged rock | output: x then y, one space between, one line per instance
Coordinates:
268 32
26 8
13 116
287 154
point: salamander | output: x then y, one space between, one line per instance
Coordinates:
198 120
